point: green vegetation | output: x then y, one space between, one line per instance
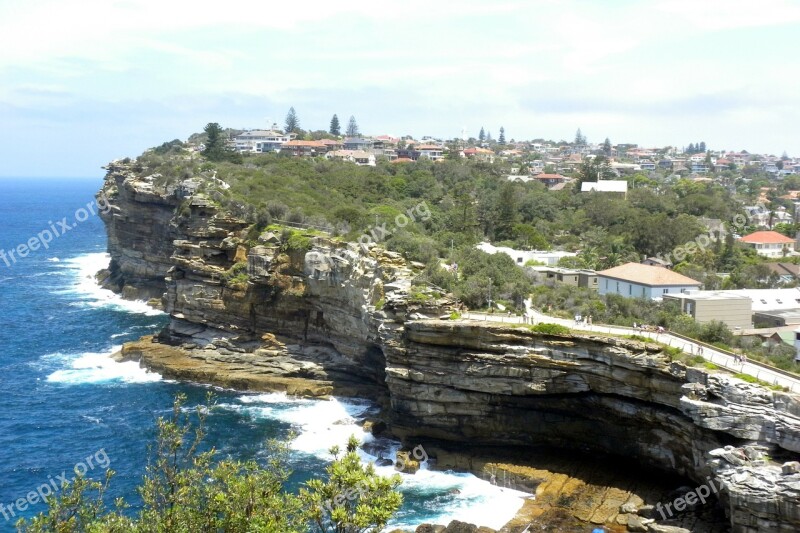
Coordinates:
236 274
566 302
550 329
187 488
435 213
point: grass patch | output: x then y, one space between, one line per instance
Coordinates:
236 274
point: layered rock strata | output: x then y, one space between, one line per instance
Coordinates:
317 316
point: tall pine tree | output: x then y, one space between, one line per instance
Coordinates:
482 135
335 129
607 147
502 138
292 122
352 127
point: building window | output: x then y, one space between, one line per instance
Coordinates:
666 291
630 289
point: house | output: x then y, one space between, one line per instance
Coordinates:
769 243
480 154
520 257
331 144
786 272
549 180
609 186
567 276
358 143
304 148
635 280
407 153
260 141
735 310
657 262
359 157
431 151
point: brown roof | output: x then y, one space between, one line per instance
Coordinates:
549 176
647 275
766 237
784 269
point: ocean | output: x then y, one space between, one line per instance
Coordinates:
66 406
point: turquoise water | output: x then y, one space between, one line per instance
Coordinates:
63 401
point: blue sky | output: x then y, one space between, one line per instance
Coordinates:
82 83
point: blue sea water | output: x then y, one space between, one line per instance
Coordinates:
65 404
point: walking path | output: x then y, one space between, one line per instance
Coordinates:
709 353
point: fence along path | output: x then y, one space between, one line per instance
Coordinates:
721 358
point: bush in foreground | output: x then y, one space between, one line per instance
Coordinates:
186 489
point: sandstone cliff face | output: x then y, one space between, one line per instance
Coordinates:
344 319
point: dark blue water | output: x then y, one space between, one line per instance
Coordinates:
63 401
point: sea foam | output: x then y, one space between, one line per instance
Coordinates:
445 495
94 368
90 294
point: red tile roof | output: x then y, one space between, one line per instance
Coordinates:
766 237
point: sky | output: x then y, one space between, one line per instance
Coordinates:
82 83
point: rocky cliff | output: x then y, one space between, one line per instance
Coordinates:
309 314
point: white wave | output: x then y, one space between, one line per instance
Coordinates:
3 280
99 368
321 424
53 259
90 294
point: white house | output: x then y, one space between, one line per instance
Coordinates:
617 186
635 280
260 141
431 151
359 157
769 243
520 257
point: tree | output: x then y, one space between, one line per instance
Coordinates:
482 135
215 149
502 138
335 129
607 147
594 170
186 489
580 140
352 127
701 148
690 149
292 122
354 499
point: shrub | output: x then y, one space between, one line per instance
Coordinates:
550 329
